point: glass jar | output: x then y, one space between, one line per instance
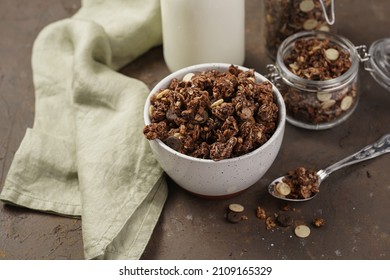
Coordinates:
317 100
320 104
284 18
377 61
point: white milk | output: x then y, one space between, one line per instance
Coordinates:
203 31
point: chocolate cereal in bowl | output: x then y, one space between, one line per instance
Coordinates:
215 129
317 74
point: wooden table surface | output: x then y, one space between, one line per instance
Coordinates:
353 201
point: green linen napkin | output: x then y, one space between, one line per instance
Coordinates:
86 154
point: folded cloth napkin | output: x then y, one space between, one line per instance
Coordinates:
86 154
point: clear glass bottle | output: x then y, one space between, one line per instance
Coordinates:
203 31
284 18
314 103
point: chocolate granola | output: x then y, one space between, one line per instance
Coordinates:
317 59
301 182
214 115
287 17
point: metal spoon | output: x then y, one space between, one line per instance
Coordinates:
376 149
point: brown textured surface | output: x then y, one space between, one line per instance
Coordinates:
353 201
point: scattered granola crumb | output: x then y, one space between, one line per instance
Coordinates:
270 223
318 222
285 207
244 217
260 213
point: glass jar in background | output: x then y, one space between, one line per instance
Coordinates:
203 31
317 74
284 18
377 61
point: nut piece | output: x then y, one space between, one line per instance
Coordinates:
346 103
237 208
151 110
332 54
306 6
302 231
162 93
294 66
282 188
324 28
323 96
188 77
328 103
217 103
310 24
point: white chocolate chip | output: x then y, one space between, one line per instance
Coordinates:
346 103
328 103
332 54
282 188
302 231
323 96
306 6
310 24
237 208
188 77
217 103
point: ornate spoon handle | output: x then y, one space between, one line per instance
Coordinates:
376 149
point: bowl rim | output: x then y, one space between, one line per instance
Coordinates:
209 66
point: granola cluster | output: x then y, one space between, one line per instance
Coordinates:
317 59
286 17
299 183
214 115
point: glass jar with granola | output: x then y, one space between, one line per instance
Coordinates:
317 74
284 18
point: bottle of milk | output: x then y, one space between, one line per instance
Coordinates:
203 31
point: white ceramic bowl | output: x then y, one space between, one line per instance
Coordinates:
216 179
